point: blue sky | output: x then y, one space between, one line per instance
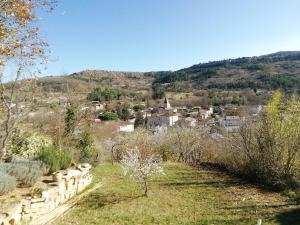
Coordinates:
149 35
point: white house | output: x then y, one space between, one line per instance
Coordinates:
126 127
167 119
204 114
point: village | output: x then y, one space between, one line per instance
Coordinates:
166 116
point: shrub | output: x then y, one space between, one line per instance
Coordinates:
24 145
7 183
138 108
139 121
70 120
87 148
50 157
268 152
54 158
108 116
123 112
26 172
65 160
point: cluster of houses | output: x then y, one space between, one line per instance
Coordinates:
168 116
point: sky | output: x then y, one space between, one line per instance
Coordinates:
152 35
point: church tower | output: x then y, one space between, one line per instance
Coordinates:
167 104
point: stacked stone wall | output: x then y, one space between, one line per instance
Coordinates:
64 185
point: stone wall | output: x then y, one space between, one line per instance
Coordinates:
64 185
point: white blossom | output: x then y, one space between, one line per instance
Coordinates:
26 146
140 168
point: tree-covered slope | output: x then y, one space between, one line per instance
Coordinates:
273 71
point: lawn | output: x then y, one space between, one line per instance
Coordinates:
183 196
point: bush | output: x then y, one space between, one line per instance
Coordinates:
54 159
138 108
123 112
65 160
26 172
7 183
139 121
87 148
268 151
108 116
24 145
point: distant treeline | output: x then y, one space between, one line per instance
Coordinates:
257 69
108 94
286 82
95 79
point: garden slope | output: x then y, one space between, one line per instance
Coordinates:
183 196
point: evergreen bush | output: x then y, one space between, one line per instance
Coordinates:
7 183
54 158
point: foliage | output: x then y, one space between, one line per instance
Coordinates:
108 116
158 91
65 160
7 183
55 159
23 51
70 120
123 112
98 94
87 148
139 120
269 150
240 73
25 145
26 172
138 107
19 30
283 81
140 167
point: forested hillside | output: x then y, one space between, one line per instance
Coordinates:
274 71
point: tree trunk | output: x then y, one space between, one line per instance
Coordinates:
112 157
146 188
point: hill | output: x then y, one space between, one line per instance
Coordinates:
246 80
280 70
80 84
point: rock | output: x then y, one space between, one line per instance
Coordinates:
57 176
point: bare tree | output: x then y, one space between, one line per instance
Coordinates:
112 144
187 144
21 49
269 150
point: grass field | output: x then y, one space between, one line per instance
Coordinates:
183 196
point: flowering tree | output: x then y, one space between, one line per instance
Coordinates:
25 145
140 168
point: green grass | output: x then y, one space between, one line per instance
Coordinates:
183 196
